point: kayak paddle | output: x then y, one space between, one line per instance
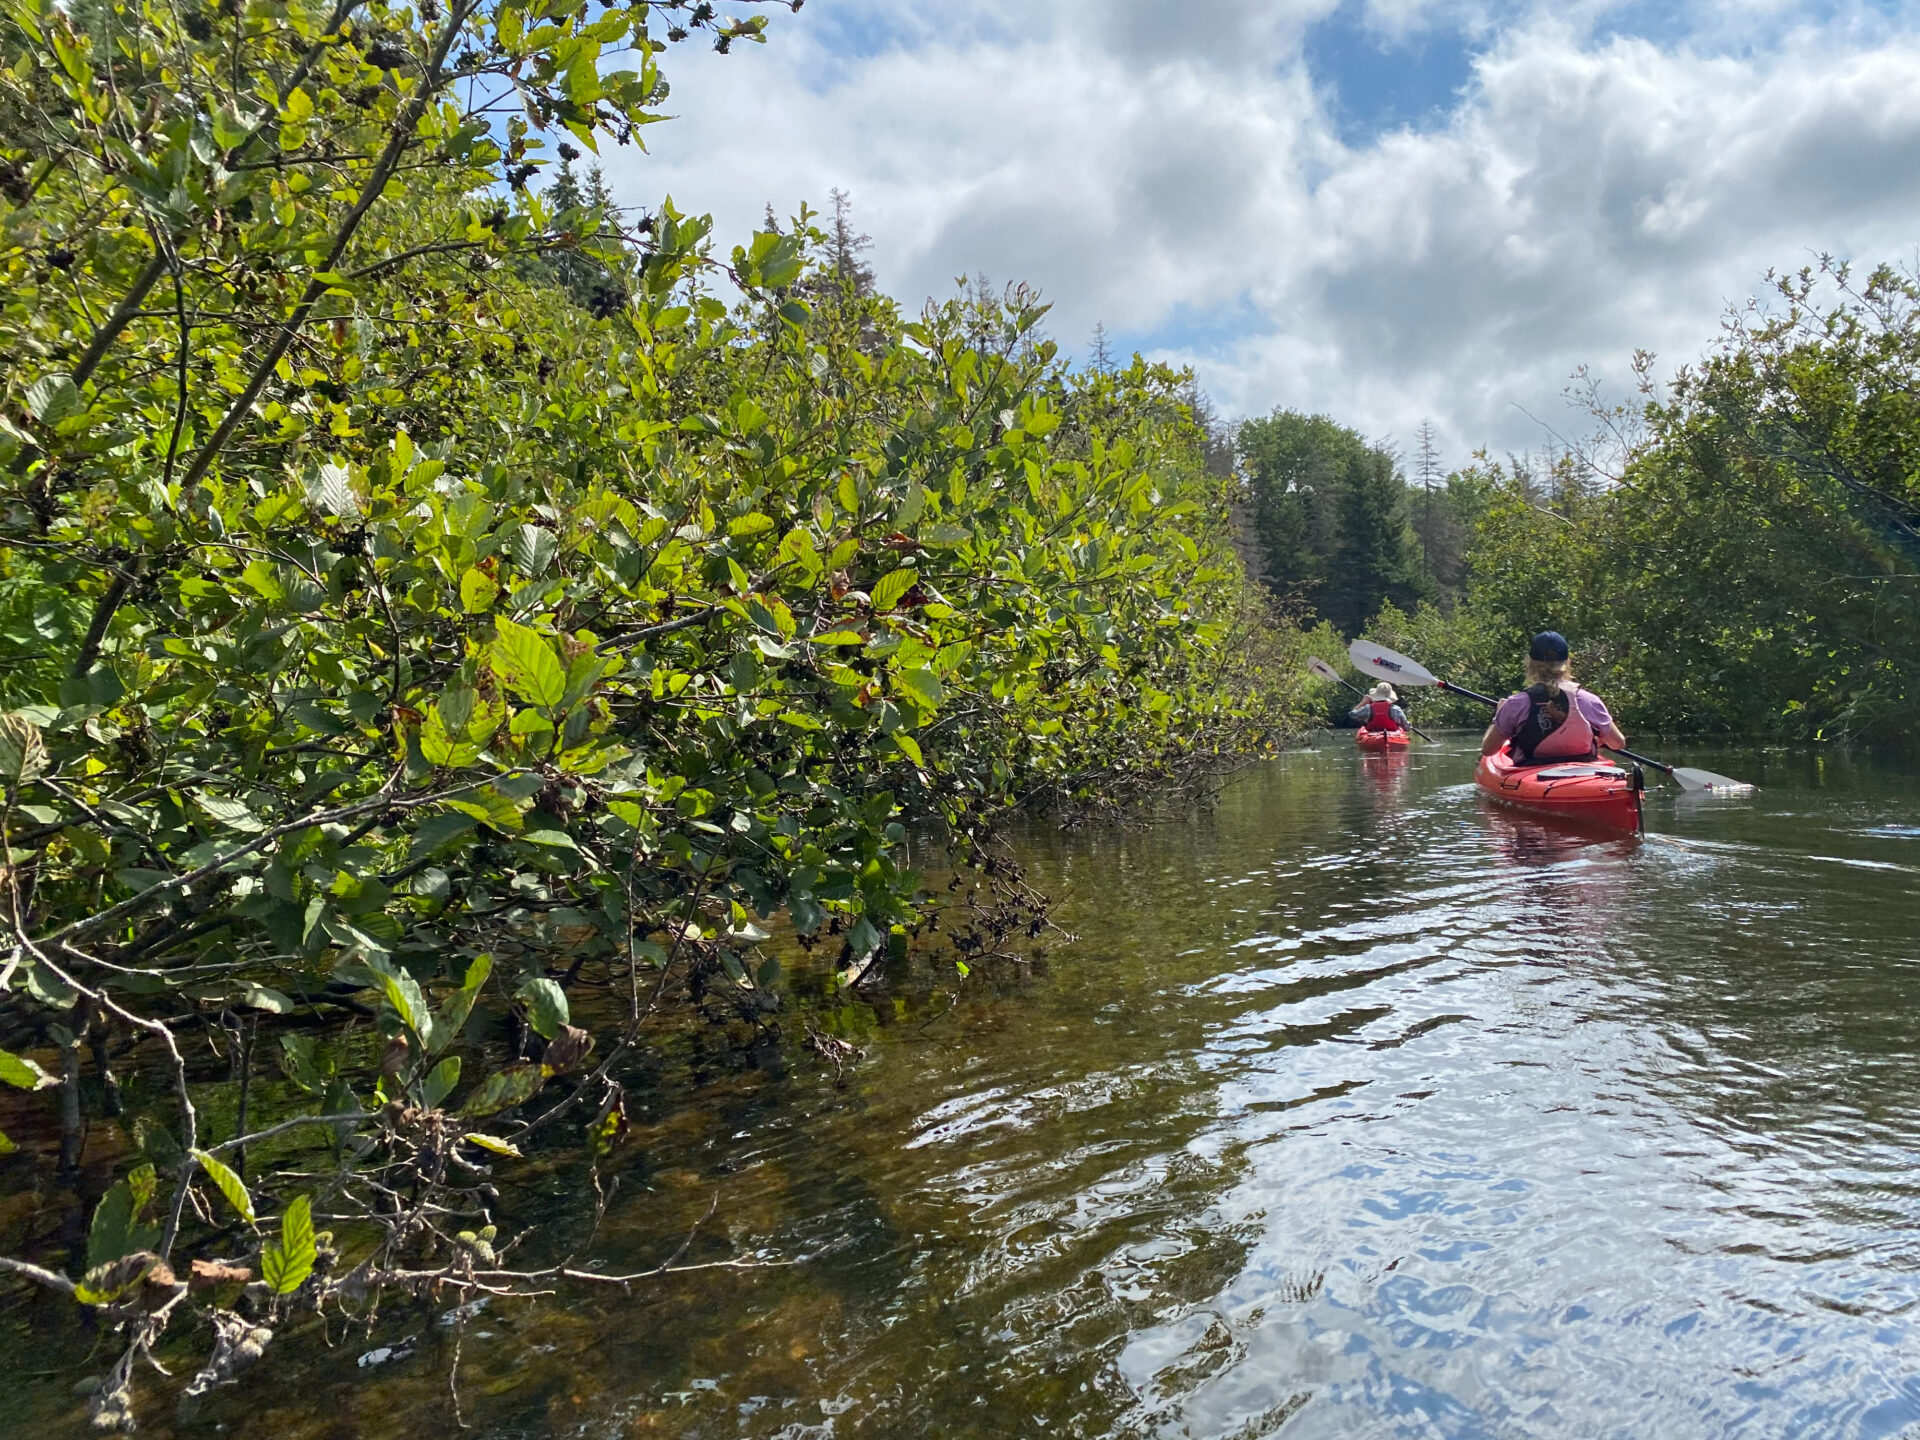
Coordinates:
1369 658
1327 672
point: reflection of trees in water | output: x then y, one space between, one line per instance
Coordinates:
1386 774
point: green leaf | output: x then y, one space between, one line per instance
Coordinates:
225 810
807 914
229 129
330 490
106 1283
265 997
924 686
438 830
230 1184
490 807
22 1073
53 398
492 1143
478 591
546 1006
527 664
441 747
838 637
891 586
909 747
298 1060
286 1266
402 992
115 1230
533 550
440 1081
505 1088
862 939
23 754
453 1015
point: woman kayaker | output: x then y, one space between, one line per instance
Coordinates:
1380 711
1553 718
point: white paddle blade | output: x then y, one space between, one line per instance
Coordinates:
1384 664
1700 780
1323 670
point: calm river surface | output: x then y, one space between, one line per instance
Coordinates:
1357 1109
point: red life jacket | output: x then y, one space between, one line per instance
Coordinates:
1381 716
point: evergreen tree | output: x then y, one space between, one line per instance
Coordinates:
594 284
846 246
1370 561
1429 463
1101 358
1219 437
1330 514
600 198
565 192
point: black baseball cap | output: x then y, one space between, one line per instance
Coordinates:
1549 646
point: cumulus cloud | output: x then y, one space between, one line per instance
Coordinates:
1175 172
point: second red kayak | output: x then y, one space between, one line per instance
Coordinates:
1590 793
1382 739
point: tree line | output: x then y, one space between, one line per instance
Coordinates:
1736 552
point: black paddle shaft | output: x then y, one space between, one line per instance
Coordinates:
1643 759
1452 688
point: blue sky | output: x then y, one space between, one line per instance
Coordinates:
1373 81
1388 210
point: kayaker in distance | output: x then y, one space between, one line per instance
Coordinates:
1380 711
1553 718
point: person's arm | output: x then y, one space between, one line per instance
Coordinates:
1360 711
1601 718
1399 717
1506 720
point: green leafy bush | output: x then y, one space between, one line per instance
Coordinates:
1755 566
426 605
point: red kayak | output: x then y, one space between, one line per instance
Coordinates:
1382 739
1592 793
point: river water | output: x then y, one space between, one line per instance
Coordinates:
1357 1109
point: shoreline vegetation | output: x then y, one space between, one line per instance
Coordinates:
453 630
449 623
1736 552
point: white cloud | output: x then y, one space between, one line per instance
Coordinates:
1181 181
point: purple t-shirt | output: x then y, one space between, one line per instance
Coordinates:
1513 712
